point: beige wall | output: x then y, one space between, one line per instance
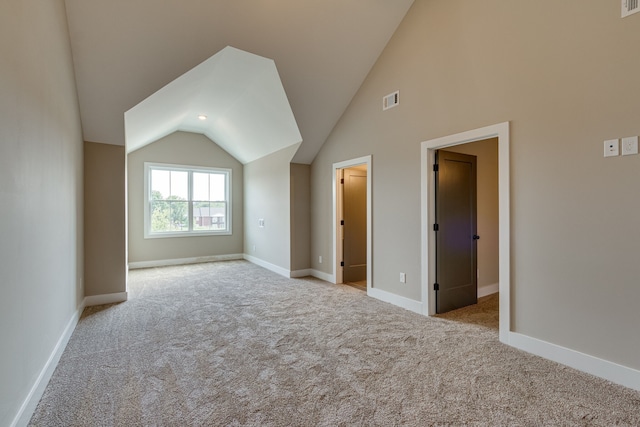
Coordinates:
300 217
190 149
267 196
553 69
104 245
41 265
486 153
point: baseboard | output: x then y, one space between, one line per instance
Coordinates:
488 290
610 371
300 273
105 299
323 276
29 405
264 264
183 261
400 301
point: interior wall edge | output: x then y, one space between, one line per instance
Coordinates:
30 403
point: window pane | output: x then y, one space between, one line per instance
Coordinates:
200 186
201 215
159 216
218 187
178 216
209 216
160 184
219 216
180 185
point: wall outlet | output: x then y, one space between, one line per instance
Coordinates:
254 248
320 259
629 145
261 222
403 278
611 148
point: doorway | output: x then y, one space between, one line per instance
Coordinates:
428 149
352 223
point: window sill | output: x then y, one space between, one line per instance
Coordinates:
185 234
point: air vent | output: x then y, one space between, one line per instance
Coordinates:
393 99
629 7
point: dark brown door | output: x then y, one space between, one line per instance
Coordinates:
355 225
456 236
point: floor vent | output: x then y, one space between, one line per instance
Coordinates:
629 7
393 99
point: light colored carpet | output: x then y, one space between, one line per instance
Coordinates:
232 344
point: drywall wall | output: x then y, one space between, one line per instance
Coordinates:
41 265
553 69
104 213
189 149
486 153
300 217
267 196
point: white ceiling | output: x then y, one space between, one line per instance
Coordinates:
246 108
126 50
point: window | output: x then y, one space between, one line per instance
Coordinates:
186 201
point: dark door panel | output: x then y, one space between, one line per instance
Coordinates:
456 238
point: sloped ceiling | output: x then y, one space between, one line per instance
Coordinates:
126 50
245 108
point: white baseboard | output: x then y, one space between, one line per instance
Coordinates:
400 301
264 264
300 273
29 405
323 276
105 299
613 372
183 261
488 290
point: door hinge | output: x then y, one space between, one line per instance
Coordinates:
341 263
436 167
342 181
436 286
342 222
436 227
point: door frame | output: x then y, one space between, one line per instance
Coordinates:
337 205
428 148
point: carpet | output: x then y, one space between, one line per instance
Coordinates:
232 344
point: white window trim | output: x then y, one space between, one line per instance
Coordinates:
147 198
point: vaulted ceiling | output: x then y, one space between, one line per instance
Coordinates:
126 50
235 98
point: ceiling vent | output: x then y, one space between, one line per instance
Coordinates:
629 7
393 99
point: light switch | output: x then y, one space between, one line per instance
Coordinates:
629 145
611 147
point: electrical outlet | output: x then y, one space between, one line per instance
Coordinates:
320 259
611 148
254 248
629 145
403 278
